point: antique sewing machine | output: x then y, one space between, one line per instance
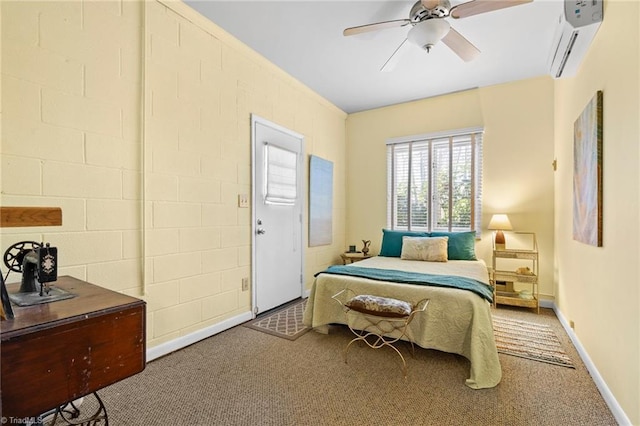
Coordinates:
38 264
92 340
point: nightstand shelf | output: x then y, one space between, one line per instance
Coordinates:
349 257
503 280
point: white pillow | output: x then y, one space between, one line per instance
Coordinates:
430 249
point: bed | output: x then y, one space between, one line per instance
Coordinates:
457 320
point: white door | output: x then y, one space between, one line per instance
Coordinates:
278 197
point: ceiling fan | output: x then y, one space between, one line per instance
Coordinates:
428 26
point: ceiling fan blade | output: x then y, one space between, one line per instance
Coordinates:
375 27
395 57
476 7
460 45
429 4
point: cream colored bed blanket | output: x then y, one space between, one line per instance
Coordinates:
456 321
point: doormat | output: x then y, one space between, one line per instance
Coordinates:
529 340
285 323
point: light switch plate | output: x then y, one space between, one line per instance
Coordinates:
243 200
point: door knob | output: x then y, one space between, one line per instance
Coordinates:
260 231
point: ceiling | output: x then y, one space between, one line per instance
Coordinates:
305 39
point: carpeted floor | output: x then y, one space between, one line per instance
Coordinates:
246 377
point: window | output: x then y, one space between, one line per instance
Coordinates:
434 182
280 176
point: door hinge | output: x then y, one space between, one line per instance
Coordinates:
255 311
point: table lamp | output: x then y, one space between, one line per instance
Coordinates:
499 223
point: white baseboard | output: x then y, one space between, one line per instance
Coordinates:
189 339
608 397
547 304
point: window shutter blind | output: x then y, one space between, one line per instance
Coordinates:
420 186
462 181
391 221
280 179
435 183
441 193
477 174
401 187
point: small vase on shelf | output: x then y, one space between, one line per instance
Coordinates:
365 247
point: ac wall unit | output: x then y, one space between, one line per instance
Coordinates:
577 27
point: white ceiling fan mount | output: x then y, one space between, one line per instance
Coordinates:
428 26
432 9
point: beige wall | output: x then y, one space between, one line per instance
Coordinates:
518 151
140 130
598 287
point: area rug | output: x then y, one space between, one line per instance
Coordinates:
285 323
529 340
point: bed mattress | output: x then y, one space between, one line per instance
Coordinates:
456 320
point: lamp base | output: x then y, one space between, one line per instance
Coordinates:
499 241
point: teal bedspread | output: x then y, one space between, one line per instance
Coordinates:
481 289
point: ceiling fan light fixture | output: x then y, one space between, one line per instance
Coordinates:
427 33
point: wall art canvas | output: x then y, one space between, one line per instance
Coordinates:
320 201
587 174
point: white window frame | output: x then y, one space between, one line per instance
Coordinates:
475 135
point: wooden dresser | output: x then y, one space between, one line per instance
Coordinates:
57 352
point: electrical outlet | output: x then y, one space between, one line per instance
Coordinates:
572 324
245 284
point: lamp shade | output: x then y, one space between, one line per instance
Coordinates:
427 33
500 222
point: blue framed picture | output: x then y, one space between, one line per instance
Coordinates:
320 201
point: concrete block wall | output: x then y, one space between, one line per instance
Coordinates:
71 132
135 119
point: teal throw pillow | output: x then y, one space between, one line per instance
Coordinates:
392 241
461 245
